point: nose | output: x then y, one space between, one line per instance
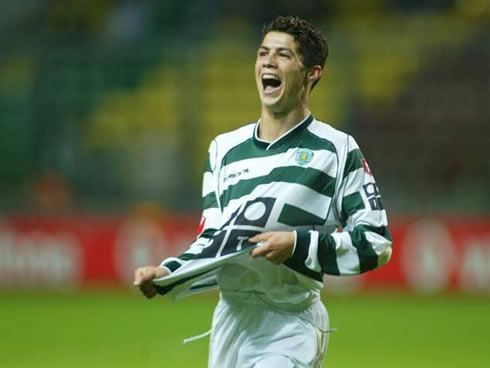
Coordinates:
269 61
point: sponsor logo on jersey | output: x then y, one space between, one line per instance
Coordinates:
373 196
236 174
304 156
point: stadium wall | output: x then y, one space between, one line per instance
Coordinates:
430 255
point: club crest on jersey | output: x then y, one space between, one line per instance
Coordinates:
304 156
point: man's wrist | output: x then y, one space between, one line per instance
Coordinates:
162 271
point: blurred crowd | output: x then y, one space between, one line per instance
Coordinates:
105 104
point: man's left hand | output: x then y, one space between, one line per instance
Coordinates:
277 246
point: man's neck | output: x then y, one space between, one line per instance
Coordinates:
274 125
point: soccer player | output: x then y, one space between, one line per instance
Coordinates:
309 190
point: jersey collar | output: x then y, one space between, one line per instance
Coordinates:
286 137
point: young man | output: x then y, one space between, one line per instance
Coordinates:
282 184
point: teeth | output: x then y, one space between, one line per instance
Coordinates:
270 76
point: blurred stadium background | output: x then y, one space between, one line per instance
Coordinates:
107 108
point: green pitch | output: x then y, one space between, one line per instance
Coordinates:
120 329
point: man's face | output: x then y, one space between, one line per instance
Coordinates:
279 72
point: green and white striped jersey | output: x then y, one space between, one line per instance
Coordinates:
312 180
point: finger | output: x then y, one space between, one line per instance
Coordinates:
143 274
276 257
273 257
259 237
138 277
261 250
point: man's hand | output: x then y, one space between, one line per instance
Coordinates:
277 245
143 277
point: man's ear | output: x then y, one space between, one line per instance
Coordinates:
315 73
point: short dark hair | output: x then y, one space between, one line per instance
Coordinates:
312 44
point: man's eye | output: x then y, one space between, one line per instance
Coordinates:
262 53
282 54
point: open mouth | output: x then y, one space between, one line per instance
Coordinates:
271 83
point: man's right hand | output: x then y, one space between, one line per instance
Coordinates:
143 278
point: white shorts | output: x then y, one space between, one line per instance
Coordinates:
247 333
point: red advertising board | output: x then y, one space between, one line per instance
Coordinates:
429 254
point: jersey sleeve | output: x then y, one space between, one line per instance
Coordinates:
210 218
364 241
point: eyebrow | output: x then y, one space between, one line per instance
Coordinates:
278 49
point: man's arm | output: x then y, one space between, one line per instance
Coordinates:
210 221
364 242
